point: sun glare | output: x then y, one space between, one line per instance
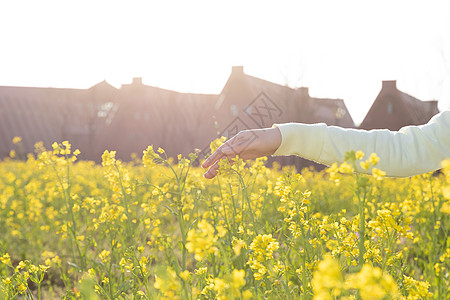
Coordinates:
337 49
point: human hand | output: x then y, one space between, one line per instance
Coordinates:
248 144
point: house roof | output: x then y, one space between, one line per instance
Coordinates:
420 111
130 118
393 109
44 114
287 104
147 115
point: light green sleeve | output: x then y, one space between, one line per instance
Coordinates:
410 151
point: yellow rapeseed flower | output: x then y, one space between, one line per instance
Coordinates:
185 275
327 280
374 159
6 259
373 283
238 278
201 241
359 155
238 244
346 168
263 247
445 208
365 165
378 174
104 256
200 271
16 140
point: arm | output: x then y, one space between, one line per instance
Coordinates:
410 151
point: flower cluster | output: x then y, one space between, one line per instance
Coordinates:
156 229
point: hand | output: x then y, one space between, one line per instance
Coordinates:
248 144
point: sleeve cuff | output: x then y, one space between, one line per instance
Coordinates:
305 140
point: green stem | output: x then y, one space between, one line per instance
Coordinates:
362 229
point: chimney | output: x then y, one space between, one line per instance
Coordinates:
237 70
137 81
389 84
304 92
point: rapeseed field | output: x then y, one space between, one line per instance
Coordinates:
154 228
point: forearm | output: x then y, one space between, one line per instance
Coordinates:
412 150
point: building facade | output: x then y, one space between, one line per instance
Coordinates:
129 118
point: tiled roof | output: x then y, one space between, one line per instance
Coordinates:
295 105
46 115
136 115
420 111
148 115
394 109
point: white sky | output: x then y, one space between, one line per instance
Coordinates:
339 49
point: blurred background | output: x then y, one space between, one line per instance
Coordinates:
121 75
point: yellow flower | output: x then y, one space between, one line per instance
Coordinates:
122 262
201 241
104 256
238 278
378 174
445 208
238 244
166 281
263 247
327 279
446 192
91 272
6 259
6 281
359 155
200 271
365 165
217 143
22 288
247 295
16 140
373 283
185 275
374 159
56 260
21 265
416 289
43 268
346 168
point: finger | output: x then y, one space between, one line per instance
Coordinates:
228 146
216 156
212 171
